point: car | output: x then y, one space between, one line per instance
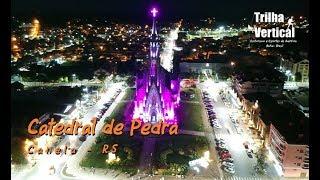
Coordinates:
219 143
215 123
223 151
220 149
228 164
217 126
222 145
229 160
83 138
107 104
229 169
219 140
212 124
225 156
213 120
249 153
212 116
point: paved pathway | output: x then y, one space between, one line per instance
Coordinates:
147 152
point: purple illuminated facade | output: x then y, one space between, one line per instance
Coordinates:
158 91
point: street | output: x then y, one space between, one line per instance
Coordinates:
243 164
44 162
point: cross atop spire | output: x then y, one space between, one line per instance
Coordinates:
154 12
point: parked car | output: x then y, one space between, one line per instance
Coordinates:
228 160
225 156
217 126
219 140
246 145
229 169
249 153
228 164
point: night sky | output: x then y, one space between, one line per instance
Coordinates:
135 10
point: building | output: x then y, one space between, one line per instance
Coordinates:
283 129
302 67
213 64
35 29
292 156
254 80
158 90
294 67
300 98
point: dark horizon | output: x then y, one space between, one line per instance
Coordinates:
136 11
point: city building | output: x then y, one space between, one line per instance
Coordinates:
208 66
254 80
300 98
158 91
35 29
297 67
283 129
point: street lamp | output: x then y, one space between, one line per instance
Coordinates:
85 89
232 63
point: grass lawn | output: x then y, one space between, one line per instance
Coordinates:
191 91
119 113
191 116
177 151
128 151
130 92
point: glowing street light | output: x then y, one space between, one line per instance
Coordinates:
232 63
221 28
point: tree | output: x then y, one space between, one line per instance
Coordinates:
298 76
102 76
261 160
17 85
224 72
131 81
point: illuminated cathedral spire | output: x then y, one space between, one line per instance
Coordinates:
156 97
154 12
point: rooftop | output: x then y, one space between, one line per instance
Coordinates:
259 74
301 96
217 58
